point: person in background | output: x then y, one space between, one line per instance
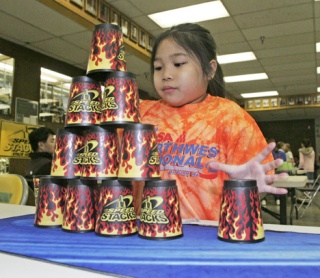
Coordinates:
289 154
203 138
280 151
42 141
307 158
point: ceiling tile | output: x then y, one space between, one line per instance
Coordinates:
279 30
287 59
274 52
127 8
317 9
81 39
42 17
63 49
233 70
16 29
229 37
232 48
220 25
283 41
242 65
147 22
275 16
292 67
239 7
148 7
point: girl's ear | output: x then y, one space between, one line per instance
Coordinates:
214 65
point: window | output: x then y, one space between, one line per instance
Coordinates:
54 95
6 82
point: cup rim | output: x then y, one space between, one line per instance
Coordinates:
84 78
107 25
240 183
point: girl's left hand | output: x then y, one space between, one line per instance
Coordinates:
253 169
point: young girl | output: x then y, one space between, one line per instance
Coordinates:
307 158
202 136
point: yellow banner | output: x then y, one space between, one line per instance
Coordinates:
14 139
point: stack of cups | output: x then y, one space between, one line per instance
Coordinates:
103 148
121 150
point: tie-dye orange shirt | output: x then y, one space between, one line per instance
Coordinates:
190 136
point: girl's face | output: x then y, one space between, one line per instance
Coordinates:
178 77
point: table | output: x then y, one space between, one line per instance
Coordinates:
284 253
19 266
291 183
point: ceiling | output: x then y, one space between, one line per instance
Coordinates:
287 52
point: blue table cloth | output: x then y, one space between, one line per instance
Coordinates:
197 254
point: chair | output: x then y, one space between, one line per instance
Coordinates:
14 189
309 193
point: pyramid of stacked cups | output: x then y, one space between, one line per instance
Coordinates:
101 150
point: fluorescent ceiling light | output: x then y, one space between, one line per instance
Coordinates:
318 70
55 74
260 94
237 57
318 45
6 67
66 85
318 89
4 106
245 77
194 13
49 79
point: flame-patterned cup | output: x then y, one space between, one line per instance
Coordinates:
107 51
160 212
100 156
139 158
80 206
115 213
36 182
66 161
120 100
240 212
84 106
50 202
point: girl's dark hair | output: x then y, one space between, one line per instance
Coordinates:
198 43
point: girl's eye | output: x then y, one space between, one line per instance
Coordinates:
179 64
157 68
